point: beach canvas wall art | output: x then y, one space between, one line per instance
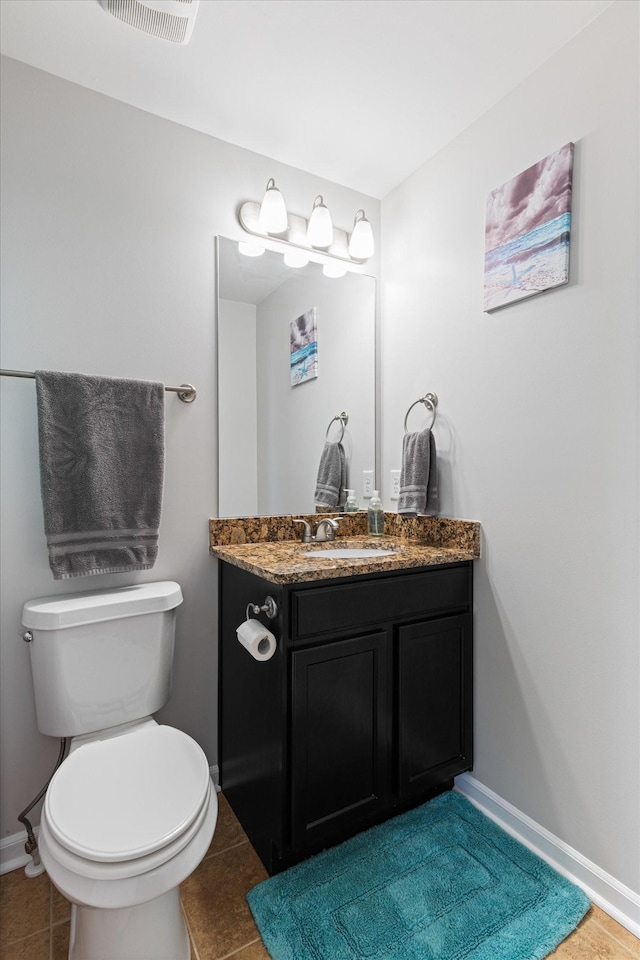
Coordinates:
304 347
528 230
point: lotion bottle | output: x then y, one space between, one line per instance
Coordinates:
375 516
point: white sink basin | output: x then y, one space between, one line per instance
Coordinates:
348 553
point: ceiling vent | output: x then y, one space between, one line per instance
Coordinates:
168 19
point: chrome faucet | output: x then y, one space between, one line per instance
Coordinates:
323 533
326 529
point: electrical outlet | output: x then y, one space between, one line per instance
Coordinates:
367 484
395 485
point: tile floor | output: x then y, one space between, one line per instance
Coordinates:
34 918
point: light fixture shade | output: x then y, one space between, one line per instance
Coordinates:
296 258
334 269
250 249
320 227
273 213
361 245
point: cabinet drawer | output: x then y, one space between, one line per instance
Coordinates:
355 605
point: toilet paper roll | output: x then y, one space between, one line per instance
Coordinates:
255 638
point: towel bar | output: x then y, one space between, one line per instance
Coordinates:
186 392
430 400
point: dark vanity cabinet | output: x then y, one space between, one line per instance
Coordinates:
364 710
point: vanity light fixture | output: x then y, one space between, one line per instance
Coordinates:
273 212
361 244
301 240
320 226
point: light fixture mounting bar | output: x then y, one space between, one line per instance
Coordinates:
296 234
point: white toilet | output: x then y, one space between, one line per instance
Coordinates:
131 811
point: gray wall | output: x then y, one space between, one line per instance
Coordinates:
108 217
539 439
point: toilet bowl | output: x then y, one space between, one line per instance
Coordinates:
125 820
131 811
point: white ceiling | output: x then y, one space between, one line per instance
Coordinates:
361 92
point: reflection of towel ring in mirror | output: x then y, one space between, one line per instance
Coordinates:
430 400
344 420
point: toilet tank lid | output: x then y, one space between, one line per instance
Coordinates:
76 609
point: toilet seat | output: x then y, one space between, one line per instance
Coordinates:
124 805
123 885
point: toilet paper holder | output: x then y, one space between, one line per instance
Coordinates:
270 607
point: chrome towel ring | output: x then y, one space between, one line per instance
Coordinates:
430 400
344 420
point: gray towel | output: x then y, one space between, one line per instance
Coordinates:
418 476
101 472
332 477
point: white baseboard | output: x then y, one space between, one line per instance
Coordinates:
619 901
12 853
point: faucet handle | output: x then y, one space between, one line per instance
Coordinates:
306 533
333 524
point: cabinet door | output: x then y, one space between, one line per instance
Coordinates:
434 703
340 737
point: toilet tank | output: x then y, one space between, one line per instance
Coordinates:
101 658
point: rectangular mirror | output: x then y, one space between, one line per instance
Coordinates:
270 432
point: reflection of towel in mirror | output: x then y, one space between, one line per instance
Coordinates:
332 476
418 476
101 472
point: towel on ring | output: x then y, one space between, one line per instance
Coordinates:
332 476
418 476
101 472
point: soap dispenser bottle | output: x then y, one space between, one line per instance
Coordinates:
351 505
376 516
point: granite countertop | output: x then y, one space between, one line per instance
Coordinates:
270 547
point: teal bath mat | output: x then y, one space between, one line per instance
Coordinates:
441 882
